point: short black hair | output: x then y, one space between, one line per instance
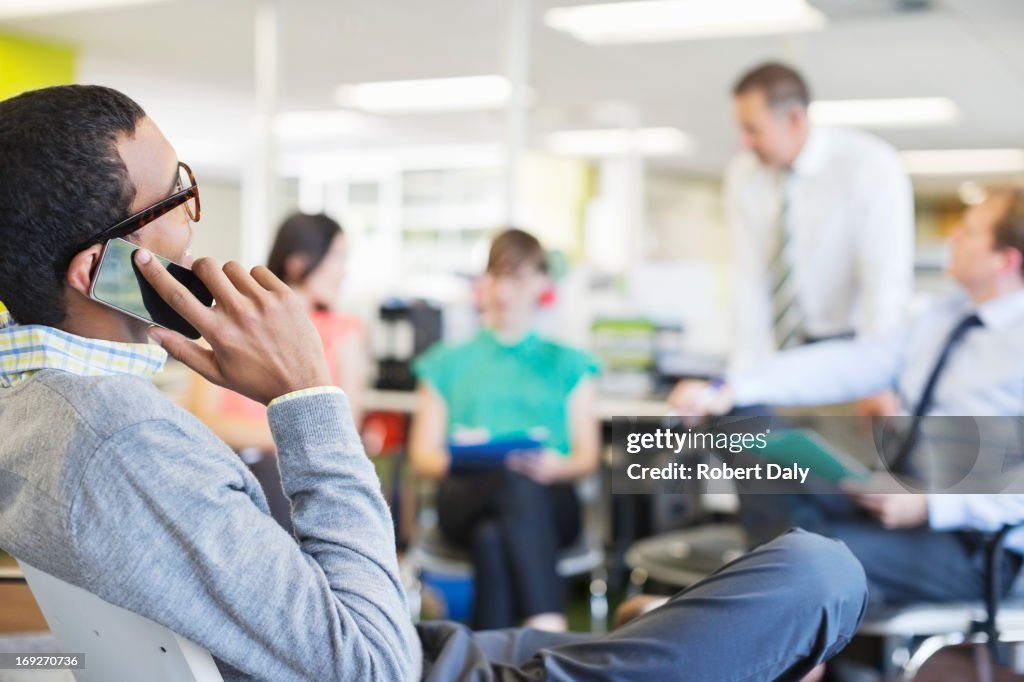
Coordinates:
304 234
782 85
61 182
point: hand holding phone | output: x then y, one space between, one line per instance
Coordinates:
262 341
117 283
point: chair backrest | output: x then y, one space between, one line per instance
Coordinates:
118 644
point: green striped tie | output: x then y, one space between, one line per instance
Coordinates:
787 321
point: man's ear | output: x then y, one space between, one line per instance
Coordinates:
1014 260
82 269
798 118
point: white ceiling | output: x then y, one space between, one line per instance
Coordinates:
191 60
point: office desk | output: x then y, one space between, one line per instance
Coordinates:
404 402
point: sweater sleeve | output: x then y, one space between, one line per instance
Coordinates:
170 526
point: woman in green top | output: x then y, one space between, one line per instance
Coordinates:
509 384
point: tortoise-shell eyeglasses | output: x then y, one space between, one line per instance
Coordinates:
187 194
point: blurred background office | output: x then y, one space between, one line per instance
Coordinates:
424 128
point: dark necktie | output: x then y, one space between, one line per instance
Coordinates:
899 462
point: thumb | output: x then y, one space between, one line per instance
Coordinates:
514 462
187 352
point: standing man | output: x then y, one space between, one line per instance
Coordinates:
822 222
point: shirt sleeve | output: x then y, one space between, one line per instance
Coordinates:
822 373
316 390
885 244
172 526
578 365
433 367
974 512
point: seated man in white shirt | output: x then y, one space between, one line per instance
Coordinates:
960 358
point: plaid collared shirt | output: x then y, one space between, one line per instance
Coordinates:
26 349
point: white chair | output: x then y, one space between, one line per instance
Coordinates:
118 644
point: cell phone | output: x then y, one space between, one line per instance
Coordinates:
117 283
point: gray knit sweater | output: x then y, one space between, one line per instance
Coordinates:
108 485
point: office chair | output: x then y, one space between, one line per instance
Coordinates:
118 644
915 633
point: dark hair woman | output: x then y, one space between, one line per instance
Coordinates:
308 255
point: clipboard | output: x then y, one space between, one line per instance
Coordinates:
808 449
489 454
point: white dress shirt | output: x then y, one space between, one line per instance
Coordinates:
851 223
983 376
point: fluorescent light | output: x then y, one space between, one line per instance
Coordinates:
886 113
466 93
963 161
470 155
664 20
324 124
619 141
371 163
14 9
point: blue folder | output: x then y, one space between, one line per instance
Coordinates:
489 454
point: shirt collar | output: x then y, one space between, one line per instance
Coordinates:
27 349
524 341
1002 312
812 155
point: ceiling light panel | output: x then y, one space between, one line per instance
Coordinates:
468 93
19 9
663 141
908 112
963 162
670 20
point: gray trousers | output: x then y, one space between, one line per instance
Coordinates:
772 614
903 565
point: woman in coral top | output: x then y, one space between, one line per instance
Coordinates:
309 255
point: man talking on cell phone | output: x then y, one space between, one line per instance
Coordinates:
107 485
